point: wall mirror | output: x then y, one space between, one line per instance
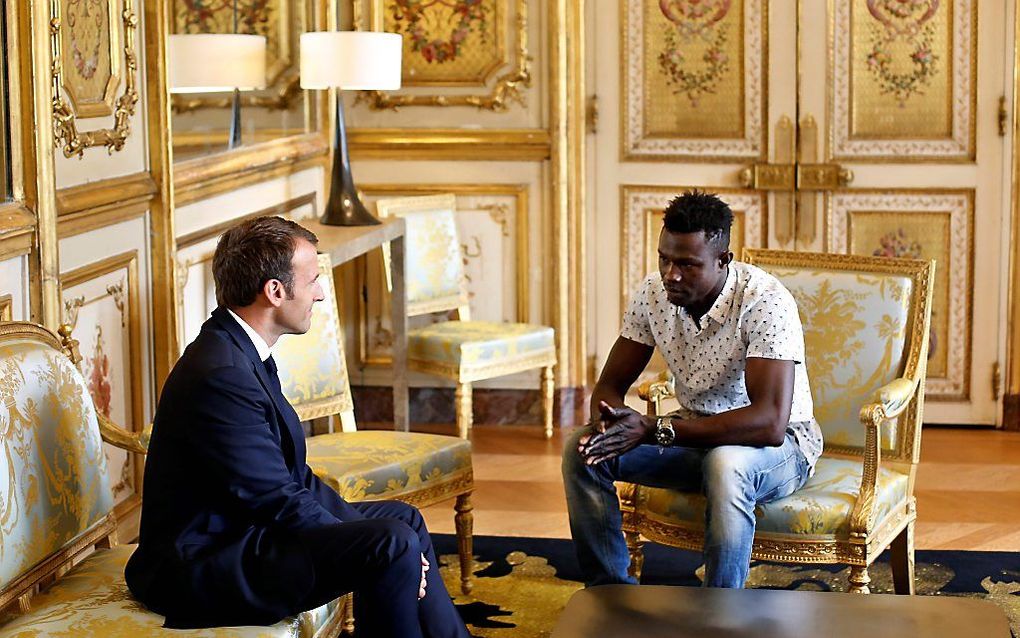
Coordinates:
201 121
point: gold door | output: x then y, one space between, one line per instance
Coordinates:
847 126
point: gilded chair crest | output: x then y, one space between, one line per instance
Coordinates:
866 322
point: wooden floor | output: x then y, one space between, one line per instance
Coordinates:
968 487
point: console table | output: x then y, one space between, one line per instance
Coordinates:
344 243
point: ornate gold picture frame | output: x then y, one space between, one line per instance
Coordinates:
452 45
85 38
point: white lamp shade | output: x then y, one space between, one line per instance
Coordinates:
207 62
352 60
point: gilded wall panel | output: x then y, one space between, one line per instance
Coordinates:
642 212
919 225
903 80
492 223
693 79
93 46
101 304
466 52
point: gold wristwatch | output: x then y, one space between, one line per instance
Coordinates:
664 432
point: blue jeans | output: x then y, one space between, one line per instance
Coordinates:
734 479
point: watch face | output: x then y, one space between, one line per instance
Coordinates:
664 435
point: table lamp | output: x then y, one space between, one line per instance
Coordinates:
352 61
212 62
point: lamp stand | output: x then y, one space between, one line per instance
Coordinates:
235 121
344 207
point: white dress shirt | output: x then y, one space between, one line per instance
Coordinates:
260 344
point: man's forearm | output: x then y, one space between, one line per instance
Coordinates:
755 426
609 394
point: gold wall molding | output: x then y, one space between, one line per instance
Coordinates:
107 192
6 308
203 177
37 139
72 141
15 221
450 144
96 218
126 298
954 281
1011 400
507 87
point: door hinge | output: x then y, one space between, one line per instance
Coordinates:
996 381
591 115
1003 116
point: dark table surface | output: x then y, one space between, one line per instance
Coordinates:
648 611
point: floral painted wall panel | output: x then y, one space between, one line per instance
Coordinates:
100 303
937 226
904 79
693 82
90 39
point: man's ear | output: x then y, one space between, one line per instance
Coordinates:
725 258
274 291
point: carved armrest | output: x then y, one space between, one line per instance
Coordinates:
137 442
887 403
653 392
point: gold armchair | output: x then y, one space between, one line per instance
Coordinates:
463 351
866 323
420 469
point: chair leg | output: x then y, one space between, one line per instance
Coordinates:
635 546
902 561
464 522
859 579
462 403
548 388
348 611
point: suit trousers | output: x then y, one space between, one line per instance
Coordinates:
376 553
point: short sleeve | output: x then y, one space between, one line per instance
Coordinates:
772 328
636 326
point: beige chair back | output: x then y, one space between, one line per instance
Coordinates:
435 279
313 370
865 324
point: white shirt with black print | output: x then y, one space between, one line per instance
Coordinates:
754 316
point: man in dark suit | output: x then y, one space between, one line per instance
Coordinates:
236 529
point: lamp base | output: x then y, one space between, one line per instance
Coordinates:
344 208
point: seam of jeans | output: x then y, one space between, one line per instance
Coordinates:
779 487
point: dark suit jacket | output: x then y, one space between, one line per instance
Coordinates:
226 492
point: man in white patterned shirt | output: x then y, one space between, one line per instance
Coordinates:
745 433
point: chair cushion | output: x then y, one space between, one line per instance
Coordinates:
93 600
855 337
821 508
471 344
372 465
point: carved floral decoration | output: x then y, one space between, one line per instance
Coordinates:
438 28
694 57
906 22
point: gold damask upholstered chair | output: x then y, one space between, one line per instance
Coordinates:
866 322
57 507
462 350
420 469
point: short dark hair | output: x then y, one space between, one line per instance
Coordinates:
695 211
253 252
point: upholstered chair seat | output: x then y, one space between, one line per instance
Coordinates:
475 349
375 465
93 600
866 322
821 508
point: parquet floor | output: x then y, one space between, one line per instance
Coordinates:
968 487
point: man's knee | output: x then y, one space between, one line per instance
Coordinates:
572 462
725 470
398 540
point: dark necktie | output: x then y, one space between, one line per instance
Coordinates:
274 376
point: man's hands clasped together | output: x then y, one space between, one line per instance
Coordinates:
617 430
